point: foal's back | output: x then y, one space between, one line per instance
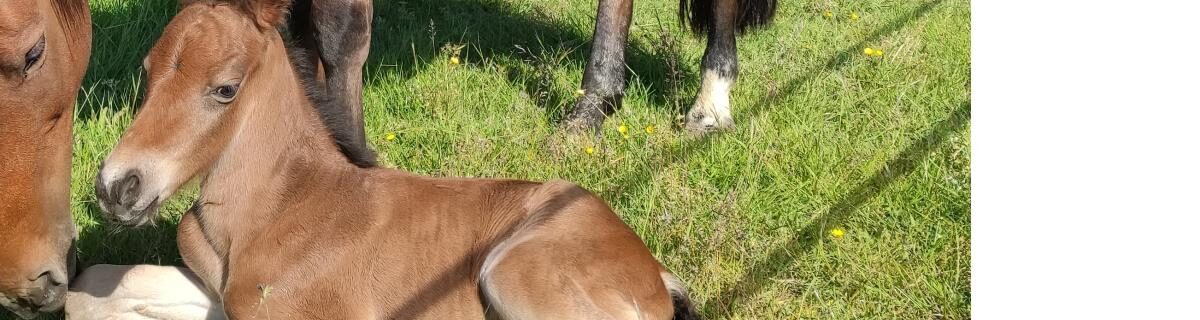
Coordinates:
406 246
516 249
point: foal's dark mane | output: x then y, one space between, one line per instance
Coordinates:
334 112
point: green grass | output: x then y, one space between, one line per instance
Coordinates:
826 137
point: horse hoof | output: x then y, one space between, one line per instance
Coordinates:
589 113
701 123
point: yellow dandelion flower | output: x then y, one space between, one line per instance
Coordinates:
868 51
837 233
580 92
390 136
879 52
454 60
650 129
854 16
590 151
828 14
624 130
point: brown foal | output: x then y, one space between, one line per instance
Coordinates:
286 226
44 48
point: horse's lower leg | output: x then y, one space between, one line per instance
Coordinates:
711 110
342 30
604 78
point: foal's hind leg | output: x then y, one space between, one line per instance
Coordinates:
556 277
580 262
711 110
604 78
341 32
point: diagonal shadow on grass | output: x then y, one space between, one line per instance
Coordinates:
758 275
752 280
835 62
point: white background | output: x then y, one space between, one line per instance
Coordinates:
1086 131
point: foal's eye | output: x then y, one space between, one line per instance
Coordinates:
225 93
35 54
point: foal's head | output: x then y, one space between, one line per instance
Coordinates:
44 47
210 54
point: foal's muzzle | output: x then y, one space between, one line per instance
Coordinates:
125 200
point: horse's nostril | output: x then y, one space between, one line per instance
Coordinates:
43 280
41 283
128 188
48 278
44 291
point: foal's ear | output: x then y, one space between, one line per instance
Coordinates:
270 13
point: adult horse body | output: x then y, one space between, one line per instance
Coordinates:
719 20
44 50
286 228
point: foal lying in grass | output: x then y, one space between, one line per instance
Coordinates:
295 222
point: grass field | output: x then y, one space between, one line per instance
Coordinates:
829 141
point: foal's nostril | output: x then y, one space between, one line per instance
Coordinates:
128 188
119 193
125 189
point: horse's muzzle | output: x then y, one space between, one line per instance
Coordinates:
45 292
124 199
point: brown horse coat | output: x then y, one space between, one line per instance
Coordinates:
44 48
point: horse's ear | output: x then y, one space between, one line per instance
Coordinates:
270 13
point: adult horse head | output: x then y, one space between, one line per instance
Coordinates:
44 48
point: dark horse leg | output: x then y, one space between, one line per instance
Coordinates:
721 21
604 78
711 110
337 34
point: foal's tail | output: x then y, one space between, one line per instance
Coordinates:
750 14
684 310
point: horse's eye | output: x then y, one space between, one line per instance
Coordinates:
35 54
225 93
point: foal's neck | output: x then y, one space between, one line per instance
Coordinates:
280 147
